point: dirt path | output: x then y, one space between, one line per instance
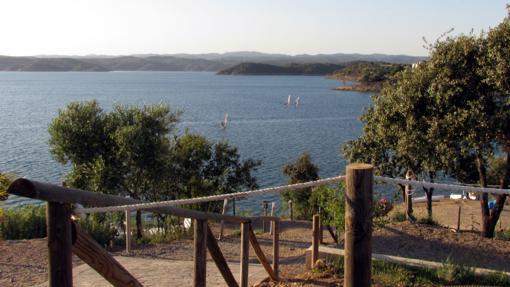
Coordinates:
23 262
446 213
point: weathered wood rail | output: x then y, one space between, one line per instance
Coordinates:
65 236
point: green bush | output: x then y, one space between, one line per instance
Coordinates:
398 216
299 171
331 203
166 230
102 227
25 222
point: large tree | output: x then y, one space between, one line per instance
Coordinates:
136 151
395 134
125 151
451 115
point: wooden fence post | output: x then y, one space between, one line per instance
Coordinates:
58 224
358 225
409 197
290 210
321 233
88 250
245 253
271 226
458 218
315 239
265 206
200 253
276 247
222 223
128 230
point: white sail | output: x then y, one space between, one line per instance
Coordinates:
297 102
225 121
289 99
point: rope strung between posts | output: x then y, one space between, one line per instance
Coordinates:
442 186
150 205
278 189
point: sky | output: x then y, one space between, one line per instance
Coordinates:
123 27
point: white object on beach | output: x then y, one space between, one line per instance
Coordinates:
424 198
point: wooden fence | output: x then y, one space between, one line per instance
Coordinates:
65 237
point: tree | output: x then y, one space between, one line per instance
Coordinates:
124 152
454 111
207 168
136 151
298 171
395 135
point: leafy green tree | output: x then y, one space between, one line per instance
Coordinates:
298 171
395 133
454 114
136 151
207 168
125 151
496 68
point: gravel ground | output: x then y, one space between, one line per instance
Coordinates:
24 262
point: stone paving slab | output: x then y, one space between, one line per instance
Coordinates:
161 272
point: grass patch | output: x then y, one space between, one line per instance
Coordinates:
390 274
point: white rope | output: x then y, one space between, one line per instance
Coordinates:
278 189
151 205
442 186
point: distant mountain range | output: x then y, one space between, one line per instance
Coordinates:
184 62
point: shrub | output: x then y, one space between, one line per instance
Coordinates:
399 216
25 222
331 203
166 230
5 181
298 171
102 227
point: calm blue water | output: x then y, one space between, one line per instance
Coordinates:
261 126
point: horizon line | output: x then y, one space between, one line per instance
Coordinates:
206 53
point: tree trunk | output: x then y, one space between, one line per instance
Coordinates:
409 197
139 226
428 193
500 199
484 199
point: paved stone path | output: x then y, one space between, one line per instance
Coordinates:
160 272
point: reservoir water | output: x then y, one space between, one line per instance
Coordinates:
260 124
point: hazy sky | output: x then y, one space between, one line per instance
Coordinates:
113 27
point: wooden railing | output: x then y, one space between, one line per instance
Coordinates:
65 237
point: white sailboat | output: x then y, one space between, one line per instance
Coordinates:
225 121
297 102
289 99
